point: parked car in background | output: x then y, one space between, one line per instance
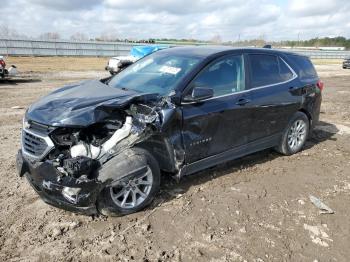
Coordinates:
346 63
118 63
4 72
100 145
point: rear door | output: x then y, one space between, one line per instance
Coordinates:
273 83
222 122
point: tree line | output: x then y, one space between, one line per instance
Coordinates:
317 42
338 41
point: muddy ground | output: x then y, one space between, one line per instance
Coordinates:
253 209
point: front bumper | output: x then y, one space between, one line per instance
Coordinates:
46 181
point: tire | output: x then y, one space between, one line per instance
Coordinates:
297 130
109 204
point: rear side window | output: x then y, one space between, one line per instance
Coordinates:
268 70
304 67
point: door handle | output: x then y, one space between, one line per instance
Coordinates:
242 101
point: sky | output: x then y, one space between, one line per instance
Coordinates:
232 20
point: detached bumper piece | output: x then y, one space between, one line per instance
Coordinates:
66 192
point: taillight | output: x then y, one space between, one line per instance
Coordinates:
2 63
320 85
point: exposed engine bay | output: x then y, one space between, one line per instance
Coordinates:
80 152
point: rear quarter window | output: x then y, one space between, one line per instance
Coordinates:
268 69
303 67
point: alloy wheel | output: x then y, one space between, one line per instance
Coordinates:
297 134
133 192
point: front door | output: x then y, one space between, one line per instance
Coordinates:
222 122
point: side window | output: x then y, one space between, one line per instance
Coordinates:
268 70
304 67
224 76
284 71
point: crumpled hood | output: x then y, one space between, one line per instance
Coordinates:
81 104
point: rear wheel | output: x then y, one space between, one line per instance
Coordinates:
132 193
295 135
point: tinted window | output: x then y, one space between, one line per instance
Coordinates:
304 67
285 72
224 76
268 70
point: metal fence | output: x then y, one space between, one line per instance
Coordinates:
19 47
321 54
25 47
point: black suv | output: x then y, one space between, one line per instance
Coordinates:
100 146
346 63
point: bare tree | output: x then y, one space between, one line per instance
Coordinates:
7 32
216 39
4 31
50 36
107 36
79 37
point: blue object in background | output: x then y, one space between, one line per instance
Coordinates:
141 51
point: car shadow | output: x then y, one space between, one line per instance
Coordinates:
15 81
171 189
322 132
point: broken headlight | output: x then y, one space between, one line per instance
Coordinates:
64 136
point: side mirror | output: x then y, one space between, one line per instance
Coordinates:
199 93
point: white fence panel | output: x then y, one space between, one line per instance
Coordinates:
27 47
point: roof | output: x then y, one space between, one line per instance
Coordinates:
198 51
208 50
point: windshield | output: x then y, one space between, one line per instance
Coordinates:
158 73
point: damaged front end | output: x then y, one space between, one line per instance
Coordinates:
68 166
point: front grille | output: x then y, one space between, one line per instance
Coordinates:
40 128
36 145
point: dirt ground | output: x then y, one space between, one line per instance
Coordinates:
57 64
253 209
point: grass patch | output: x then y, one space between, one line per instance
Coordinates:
57 64
326 61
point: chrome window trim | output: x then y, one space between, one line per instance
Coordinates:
295 75
50 144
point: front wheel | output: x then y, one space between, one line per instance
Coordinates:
295 135
132 193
